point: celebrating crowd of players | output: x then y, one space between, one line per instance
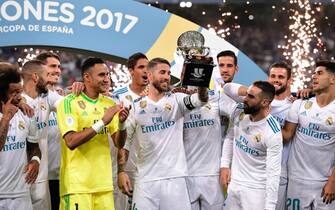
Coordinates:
147 146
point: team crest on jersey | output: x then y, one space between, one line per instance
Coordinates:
208 106
143 104
69 121
21 125
167 107
82 104
329 121
258 137
42 106
308 105
129 98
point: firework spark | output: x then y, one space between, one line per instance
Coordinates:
303 32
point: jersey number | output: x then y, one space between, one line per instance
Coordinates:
293 204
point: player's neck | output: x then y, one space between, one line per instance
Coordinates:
91 93
282 96
52 87
260 115
154 94
30 89
137 89
324 98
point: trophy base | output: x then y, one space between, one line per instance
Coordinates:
197 71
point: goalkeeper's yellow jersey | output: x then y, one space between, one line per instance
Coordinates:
86 169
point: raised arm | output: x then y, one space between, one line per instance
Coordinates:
235 91
120 136
8 112
203 94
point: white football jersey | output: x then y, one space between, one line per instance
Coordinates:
127 96
53 147
157 127
254 152
202 134
13 156
312 154
279 110
42 106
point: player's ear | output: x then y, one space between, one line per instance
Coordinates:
332 79
34 76
86 76
150 76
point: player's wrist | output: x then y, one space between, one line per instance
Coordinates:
122 126
120 170
6 118
98 126
36 158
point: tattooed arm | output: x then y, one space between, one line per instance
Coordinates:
4 125
124 182
8 111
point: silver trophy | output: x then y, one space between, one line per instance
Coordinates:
191 43
198 66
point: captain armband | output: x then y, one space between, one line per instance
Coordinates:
192 101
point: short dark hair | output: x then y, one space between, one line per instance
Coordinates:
284 65
227 53
9 73
32 65
45 55
330 66
132 60
268 90
155 61
89 63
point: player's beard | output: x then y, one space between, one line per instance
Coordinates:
229 79
281 90
157 85
41 86
251 109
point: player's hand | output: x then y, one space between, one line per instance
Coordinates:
124 183
328 192
304 93
31 171
77 88
9 109
60 91
109 114
26 109
124 112
225 177
180 90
